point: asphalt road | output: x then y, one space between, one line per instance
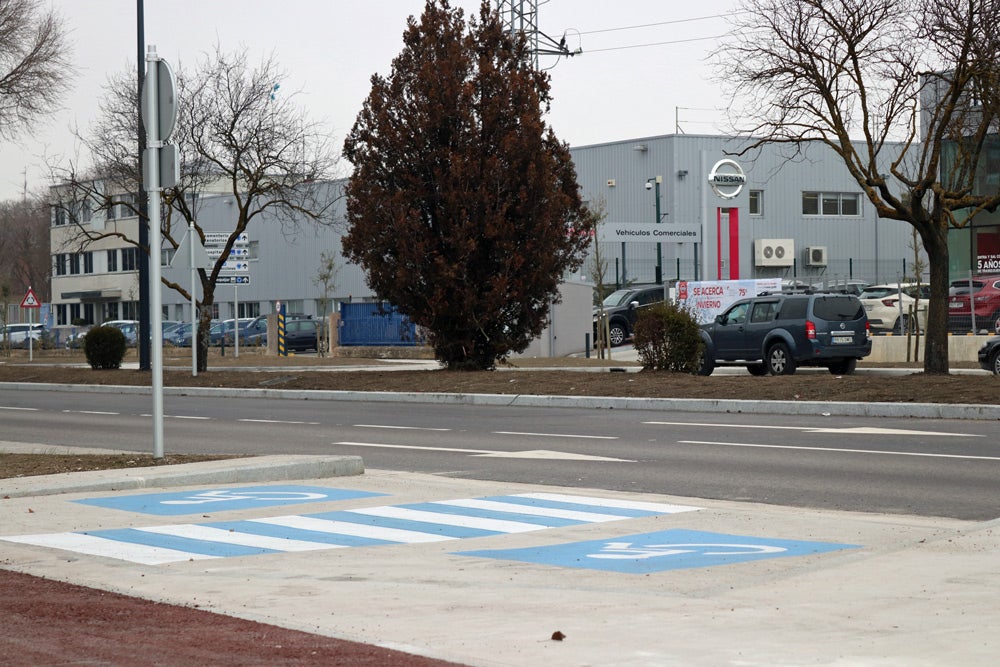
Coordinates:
941 468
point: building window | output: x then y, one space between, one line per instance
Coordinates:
249 309
111 311
85 211
74 264
60 264
756 202
130 259
831 204
112 261
58 216
130 310
88 262
61 314
167 256
74 314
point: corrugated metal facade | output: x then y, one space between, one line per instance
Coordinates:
859 247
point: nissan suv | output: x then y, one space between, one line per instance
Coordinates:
621 307
775 333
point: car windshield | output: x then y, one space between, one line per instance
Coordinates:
617 298
878 292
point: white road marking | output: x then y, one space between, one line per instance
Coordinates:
401 428
611 502
530 454
844 450
517 508
482 523
186 417
209 534
4 407
89 412
858 430
277 421
354 529
99 546
558 435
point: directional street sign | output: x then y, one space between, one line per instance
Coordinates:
239 266
232 280
221 238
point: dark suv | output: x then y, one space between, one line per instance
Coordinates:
775 333
622 307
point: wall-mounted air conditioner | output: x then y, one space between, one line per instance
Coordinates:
774 252
816 255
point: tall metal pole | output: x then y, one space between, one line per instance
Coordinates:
155 143
143 339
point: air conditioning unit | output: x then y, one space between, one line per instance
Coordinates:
774 252
816 255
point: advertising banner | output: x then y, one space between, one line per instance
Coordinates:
706 299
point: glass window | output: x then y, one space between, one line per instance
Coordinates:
74 264
849 204
112 261
810 203
831 204
756 202
130 259
60 262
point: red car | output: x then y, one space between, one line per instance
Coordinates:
985 295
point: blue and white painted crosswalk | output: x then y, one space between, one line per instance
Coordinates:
391 524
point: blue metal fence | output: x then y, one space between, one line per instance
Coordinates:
375 324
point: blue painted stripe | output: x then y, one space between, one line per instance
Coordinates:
458 532
301 534
513 515
623 512
185 544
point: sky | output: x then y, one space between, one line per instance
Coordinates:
643 70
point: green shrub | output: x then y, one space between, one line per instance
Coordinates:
667 338
104 347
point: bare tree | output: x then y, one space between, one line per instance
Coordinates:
903 91
24 247
235 135
325 279
34 64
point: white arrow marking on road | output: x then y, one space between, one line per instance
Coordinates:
858 430
531 454
838 449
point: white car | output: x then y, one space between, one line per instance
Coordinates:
16 335
888 306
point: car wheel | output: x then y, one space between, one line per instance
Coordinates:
843 366
779 360
705 364
757 369
901 325
617 334
995 361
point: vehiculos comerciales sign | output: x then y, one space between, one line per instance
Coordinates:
669 232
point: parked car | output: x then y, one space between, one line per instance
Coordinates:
181 335
888 306
222 333
855 287
621 307
17 334
989 355
255 332
128 327
984 292
776 333
301 335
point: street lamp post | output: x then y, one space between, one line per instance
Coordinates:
650 184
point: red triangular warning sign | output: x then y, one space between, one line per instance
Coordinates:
30 300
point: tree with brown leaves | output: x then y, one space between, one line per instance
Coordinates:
463 207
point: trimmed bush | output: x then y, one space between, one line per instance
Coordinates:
667 338
104 347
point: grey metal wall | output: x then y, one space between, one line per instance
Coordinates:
617 172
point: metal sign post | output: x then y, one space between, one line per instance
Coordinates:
30 301
159 112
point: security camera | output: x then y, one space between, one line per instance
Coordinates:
649 186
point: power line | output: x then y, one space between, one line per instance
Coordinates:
652 25
640 46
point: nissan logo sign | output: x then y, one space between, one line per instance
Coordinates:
727 178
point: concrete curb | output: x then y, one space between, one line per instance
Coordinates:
225 471
826 408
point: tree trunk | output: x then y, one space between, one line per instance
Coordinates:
936 343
